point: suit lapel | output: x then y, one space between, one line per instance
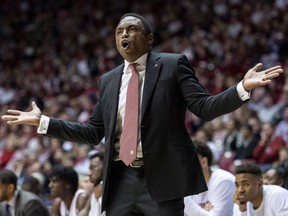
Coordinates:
115 88
151 75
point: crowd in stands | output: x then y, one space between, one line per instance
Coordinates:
53 53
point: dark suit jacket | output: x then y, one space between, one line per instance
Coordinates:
171 165
27 204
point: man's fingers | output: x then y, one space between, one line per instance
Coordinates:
257 67
272 74
275 69
34 105
14 112
9 118
12 122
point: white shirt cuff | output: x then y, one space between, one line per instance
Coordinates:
243 94
43 126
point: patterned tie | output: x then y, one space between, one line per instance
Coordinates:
129 137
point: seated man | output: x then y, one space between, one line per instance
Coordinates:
93 205
253 198
218 200
18 202
274 176
69 200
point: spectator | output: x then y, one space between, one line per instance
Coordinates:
267 149
253 198
35 183
203 136
268 113
69 200
218 200
246 143
282 127
283 163
31 184
229 144
16 201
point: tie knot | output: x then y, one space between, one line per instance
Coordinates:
133 67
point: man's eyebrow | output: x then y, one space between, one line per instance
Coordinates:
54 178
245 181
127 26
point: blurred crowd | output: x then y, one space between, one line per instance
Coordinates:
53 53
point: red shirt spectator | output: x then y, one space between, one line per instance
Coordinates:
267 150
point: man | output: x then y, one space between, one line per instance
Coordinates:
69 200
18 202
267 149
253 198
163 168
218 200
274 176
31 184
93 204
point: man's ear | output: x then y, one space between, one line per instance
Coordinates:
11 188
150 38
205 161
260 182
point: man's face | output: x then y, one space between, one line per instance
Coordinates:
4 194
271 178
96 170
57 187
131 39
248 187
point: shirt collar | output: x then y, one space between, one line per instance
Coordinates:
140 61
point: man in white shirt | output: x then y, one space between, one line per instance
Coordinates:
252 198
218 200
93 204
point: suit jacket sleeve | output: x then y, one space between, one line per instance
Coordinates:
197 98
91 132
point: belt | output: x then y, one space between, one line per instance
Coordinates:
137 163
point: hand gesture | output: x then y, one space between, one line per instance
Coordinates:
254 78
28 118
242 206
208 206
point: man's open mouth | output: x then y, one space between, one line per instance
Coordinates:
125 43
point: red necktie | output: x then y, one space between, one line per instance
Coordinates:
129 137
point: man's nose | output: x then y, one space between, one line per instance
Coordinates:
124 33
240 189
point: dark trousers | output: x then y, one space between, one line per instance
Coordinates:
129 195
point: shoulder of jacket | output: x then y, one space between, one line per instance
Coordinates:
171 55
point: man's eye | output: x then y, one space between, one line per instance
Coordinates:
133 29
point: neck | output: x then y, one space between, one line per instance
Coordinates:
207 174
68 200
258 200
